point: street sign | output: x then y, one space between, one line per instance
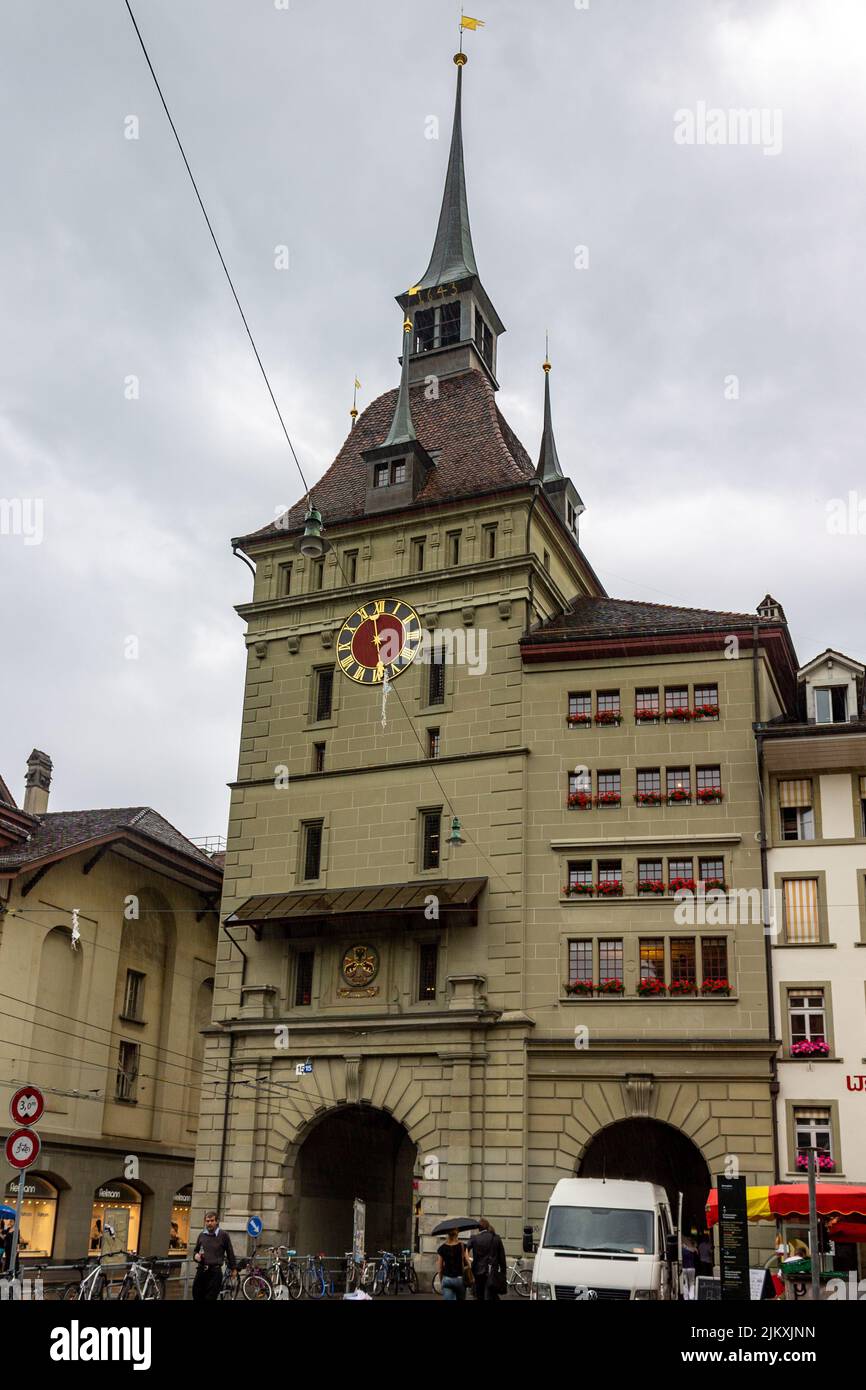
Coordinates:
733 1239
22 1148
254 1227
27 1106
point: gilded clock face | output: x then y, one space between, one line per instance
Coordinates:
381 638
360 965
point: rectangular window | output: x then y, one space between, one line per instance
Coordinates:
313 850
490 542
382 475
831 704
284 587
707 701
571 515
431 833
609 788
580 784
680 869
483 339
802 923
318 574
647 701
813 1130
436 676
546 561
580 707
714 957
318 757
679 783
796 809
610 871
709 779
863 805
127 1071
425 330
449 324
650 871
418 548
649 781
652 959
580 873
579 961
399 473
711 872
610 961
676 699
133 998
324 693
608 702
351 566
433 743
304 978
428 965
684 969
807 1016
452 546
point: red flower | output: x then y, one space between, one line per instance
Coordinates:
681 712
582 800
682 885
706 712
706 794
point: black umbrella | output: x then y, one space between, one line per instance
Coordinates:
456 1223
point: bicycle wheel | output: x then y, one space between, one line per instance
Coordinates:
380 1278
412 1279
70 1293
314 1283
392 1280
521 1283
294 1281
437 1283
256 1289
351 1277
128 1292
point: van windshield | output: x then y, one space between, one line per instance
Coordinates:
605 1230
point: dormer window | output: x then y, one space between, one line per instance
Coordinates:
572 516
383 474
390 474
399 475
439 327
484 339
831 704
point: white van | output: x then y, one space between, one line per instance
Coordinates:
607 1236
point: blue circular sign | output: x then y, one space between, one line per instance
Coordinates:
254 1226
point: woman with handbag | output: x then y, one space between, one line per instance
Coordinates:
455 1271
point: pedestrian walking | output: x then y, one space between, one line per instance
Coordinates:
690 1266
705 1255
211 1249
489 1265
455 1272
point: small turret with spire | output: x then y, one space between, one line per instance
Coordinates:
559 489
455 321
399 466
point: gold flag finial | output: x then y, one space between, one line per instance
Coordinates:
407 324
354 411
546 363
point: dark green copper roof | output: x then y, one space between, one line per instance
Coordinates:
549 467
453 257
402 430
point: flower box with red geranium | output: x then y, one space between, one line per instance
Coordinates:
705 712
823 1162
720 987
646 716
648 798
609 799
579 987
651 989
708 796
682 885
680 714
679 796
611 987
609 889
575 719
715 885
608 716
679 987
811 1047
655 886
579 801
578 890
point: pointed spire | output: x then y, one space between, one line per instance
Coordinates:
453 257
549 468
402 430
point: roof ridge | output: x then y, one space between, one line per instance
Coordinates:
670 607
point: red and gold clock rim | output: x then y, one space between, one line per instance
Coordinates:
380 638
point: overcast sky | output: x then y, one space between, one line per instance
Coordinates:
308 127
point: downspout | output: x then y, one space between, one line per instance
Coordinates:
765 892
228 1079
236 550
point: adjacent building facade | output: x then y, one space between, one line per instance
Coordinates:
471 787
108 925
815 790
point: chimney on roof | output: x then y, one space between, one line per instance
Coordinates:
37 783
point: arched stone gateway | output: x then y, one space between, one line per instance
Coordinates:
646 1150
353 1151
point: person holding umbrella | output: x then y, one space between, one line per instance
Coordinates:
455 1271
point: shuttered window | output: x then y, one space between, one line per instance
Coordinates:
802 924
798 793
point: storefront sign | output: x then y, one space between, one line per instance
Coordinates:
182 1199
733 1240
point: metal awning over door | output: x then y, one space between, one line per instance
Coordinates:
392 904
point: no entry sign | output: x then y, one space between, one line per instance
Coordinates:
22 1148
27 1106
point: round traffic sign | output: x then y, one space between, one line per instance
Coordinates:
254 1226
22 1148
27 1106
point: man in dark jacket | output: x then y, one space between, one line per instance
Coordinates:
488 1263
212 1247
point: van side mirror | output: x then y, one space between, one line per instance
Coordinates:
529 1245
672 1249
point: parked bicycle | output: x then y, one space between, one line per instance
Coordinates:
519 1279
359 1276
394 1271
92 1285
144 1280
285 1272
316 1282
255 1285
230 1286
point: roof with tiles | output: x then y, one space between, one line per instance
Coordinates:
476 453
60 831
622 618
